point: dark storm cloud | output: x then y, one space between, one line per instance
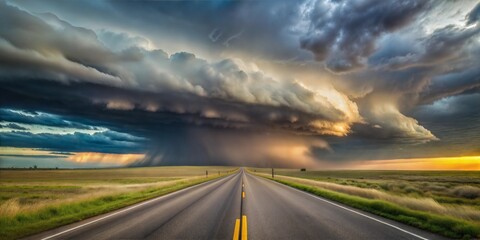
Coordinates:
464 108
210 27
185 109
407 72
44 119
218 92
51 55
218 147
442 118
229 24
13 126
343 34
450 84
454 119
181 79
445 44
76 142
171 138
30 156
474 15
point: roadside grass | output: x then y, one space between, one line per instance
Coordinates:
445 187
444 225
35 207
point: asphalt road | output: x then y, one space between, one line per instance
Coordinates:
213 210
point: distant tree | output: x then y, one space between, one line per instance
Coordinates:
35 167
303 169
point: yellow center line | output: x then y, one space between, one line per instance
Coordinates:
243 194
236 230
244 227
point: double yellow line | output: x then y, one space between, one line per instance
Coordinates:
236 231
243 223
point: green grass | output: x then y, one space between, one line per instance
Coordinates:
114 175
443 186
32 194
30 205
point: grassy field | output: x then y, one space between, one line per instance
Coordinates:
32 201
445 202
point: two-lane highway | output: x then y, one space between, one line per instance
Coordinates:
237 206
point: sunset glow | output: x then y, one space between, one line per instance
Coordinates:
445 163
123 159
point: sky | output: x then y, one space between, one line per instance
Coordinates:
360 84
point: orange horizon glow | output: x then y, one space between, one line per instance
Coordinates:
283 152
90 157
439 163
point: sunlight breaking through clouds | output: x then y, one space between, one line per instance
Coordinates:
367 84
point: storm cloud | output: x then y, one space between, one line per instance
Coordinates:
209 82
228 81
474 15
107 142
33 117
344 34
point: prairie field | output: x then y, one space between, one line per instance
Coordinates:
36 200
445 187
451 194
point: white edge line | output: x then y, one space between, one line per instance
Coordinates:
126 209
351 210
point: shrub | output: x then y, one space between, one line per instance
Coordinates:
469 192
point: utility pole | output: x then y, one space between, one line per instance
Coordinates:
273 174
206 173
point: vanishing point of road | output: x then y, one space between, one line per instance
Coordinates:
238 206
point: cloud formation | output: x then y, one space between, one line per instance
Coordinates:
38 118
445 44
344 34
104 142
214 147
474 16
213 83
286 103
